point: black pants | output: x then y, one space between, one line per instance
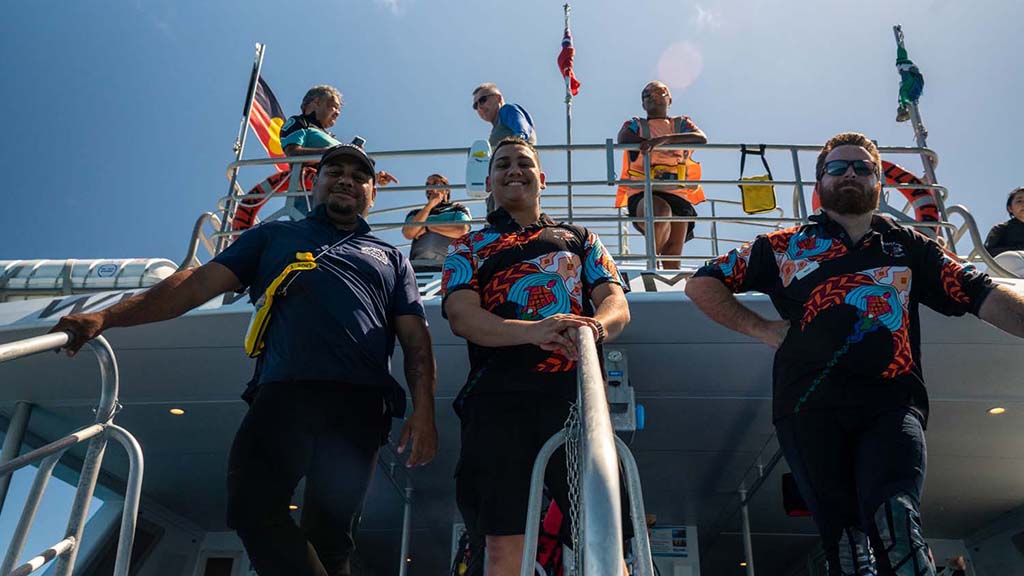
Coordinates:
862 475
323 431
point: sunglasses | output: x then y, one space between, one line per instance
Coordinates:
839 167
479 101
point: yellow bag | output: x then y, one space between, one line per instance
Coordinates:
260 320
757 198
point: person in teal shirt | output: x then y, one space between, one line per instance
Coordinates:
306 134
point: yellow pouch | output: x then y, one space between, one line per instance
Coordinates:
260 320
757 198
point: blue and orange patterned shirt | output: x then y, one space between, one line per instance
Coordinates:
855 337
529 273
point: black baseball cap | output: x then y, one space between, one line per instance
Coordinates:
350 150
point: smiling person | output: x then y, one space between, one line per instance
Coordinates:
849 401
1006 240
324 395
517 291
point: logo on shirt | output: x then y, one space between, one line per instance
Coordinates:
375 253
893 249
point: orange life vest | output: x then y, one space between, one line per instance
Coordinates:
665 165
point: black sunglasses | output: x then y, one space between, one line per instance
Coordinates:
839 167
481 100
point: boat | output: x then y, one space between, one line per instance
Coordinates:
690 399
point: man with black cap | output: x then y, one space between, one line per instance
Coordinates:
324 397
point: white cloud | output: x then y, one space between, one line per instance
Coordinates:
680 65
706 18
393 6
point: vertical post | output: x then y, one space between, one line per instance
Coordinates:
800 204
568 129
921 137
652 256
748 547
12 443
239 147
714 230
406 531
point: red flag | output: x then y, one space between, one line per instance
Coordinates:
565 58
266 119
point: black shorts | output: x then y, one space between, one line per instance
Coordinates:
501 436
679 206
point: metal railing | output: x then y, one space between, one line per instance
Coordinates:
612 219
66 550
600 454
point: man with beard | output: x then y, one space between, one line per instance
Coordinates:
517 291
849 402
325 396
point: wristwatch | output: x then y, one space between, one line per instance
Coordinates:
601 334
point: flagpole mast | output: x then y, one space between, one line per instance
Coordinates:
568 126
921 137
239 145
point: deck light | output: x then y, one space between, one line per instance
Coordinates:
743 564
293 506
996 410
176 411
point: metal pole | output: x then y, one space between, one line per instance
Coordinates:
132 495
28 513
406 532
12 443
652 256
921 137
568 128
239 147
748 547
599 478
800 205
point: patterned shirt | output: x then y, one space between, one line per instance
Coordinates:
855 338
526 273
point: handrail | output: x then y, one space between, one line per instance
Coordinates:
600 509
601 453
66 550
979 246
797 184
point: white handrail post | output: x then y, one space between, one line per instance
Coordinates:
12 443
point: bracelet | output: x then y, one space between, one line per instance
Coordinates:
601 334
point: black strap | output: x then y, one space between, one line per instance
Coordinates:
759 152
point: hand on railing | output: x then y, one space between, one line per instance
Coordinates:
557 333
80 328
419 428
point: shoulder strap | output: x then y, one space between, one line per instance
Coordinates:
759 152
645 128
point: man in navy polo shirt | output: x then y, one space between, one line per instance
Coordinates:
849 403
325 395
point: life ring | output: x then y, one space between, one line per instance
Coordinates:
245 214
924 201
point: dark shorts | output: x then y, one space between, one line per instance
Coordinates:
501 436
679 206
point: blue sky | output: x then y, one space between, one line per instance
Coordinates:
121 114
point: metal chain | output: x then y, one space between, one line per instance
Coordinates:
572 461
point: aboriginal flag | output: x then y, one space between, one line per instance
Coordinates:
565 58
266 119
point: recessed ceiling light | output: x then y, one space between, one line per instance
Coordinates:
293 506
743 564
996 410
176 411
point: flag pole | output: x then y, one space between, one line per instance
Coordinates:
921 137
568 126
239 145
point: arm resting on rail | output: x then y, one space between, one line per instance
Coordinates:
172 297
717 301
469 320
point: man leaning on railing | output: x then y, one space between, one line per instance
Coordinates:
516 291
